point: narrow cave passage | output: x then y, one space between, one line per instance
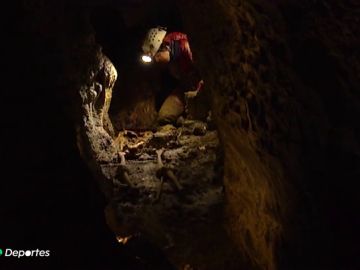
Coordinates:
166 180
284 80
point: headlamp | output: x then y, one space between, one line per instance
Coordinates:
146 59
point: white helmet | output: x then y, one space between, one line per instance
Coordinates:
153 40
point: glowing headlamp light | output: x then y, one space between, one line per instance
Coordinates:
146 59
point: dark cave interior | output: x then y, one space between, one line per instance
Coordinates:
268 183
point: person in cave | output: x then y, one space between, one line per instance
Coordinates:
172 51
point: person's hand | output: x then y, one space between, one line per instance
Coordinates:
200 85
191 94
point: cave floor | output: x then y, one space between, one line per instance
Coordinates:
168 187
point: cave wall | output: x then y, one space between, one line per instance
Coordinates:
49 199
283 76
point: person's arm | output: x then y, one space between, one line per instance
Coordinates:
193 81
192 94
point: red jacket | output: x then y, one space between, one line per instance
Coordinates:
181 61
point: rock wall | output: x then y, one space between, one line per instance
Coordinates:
283 78
50 200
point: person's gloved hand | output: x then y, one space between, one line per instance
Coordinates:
191 94
200 85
